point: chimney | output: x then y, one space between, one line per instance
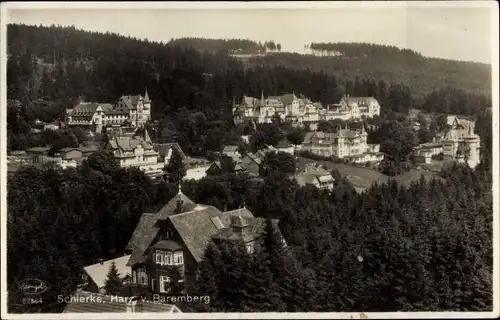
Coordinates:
238 223
179 206
225 207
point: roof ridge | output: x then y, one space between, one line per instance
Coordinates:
184 213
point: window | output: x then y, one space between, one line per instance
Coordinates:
159 257
178 258
134 276
168 258
153 284
164 283
142 276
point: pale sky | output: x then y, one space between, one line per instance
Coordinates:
445 32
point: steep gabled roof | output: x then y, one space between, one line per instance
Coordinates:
224 220
162 148
146 97
248 159
196 226
196 229
131 101
254 228
230 148
319 135
99 272
88 109
130 143
358 100
288 98
145 226
249 101
169 208
346 133
167 245
147 229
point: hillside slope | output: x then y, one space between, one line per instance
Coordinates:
49 68
390 64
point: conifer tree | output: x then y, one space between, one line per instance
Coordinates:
262 292
230 278
175 170
113 284
207 277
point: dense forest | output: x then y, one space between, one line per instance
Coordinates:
50 68
393 248
390 64
241 46
423 247
360 50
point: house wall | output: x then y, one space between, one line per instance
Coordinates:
289 150
154 270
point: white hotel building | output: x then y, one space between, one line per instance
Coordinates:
302 110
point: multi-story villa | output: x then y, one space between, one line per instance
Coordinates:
175 238
132 111
293 109
344 144
352 108
315 175
130 150
288 106
457 142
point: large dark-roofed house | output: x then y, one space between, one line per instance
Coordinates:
177 236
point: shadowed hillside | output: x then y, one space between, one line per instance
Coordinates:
387 63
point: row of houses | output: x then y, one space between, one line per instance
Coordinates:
250 163
129 151
297 110
38 156
129 111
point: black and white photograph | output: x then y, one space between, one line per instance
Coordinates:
236 160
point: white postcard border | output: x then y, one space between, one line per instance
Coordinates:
245 6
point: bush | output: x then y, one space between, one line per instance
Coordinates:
313 156
437 157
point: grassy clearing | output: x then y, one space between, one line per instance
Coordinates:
364 177
358 177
